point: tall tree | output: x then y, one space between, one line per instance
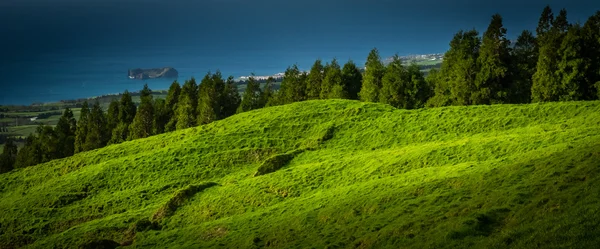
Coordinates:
546 84
187 104
127 112
97 133
266 93
30 154
332 84
161 116
524 60
572 66
315 78
47 140
209 98
230 98
171 105
292 87
591 55
351 79
112 115
82 128
251 99
419 91
9 156
455 81
372 78
492 82
393 85
65 130
143 122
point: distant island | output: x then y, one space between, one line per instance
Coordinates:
153 73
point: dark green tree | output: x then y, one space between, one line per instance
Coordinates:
30 154
97 132
332 83
82 128
161 116
127 108
230 98
493 78
187 104
9 156
455 81
171 106
393 84
209 98
372 78
351 79
47 140
591 54
267 93
419 91
112 115
315 78
292 88
572 66
546 84
65 130
524 60
251 99
143 122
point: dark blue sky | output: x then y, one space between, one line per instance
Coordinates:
31 26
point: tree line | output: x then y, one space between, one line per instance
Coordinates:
561 62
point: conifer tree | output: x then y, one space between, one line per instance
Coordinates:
65 130
127 108
393 84
161 116
351 79
419 91
591 54
112 115
492 82
251 99
47 140
524 59
546 85
374 71
315 78
82 128
230 98
572 66
30 154
187 104
292 87
332 83
143 122
171 106
267 93
8 156
209 92
97 132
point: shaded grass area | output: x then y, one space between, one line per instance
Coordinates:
337 174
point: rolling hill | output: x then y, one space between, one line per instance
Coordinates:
326 174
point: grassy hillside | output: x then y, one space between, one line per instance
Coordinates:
326 174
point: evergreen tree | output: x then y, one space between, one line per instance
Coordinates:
82 128
267 93
143 122
47 140
187 104
252 96
65 130
546 84
127 108
30 154
292 87
572 66
524 60
372 78
230 98
112 115
419 91
492 82
315 78
171 105
9 156
351 79
97 129
161 116
545 22
455 81
332 84
209 98
591 54
393 85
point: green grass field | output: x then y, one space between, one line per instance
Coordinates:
326 174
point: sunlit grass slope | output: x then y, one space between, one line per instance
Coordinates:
326 174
